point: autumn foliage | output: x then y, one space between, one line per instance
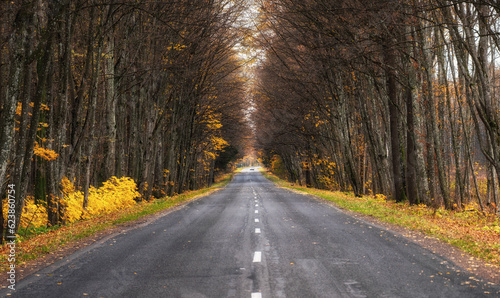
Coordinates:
91 90
399 98
115 194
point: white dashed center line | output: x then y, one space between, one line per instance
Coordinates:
257 257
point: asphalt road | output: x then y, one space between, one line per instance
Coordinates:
252 239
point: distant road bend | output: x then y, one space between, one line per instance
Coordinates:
252 239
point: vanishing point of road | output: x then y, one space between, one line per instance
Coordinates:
252 239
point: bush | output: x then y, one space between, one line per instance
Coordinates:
115 194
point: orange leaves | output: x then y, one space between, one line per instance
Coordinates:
218 143
44 153
213 142
212 120
19 109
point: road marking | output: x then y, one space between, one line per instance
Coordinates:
257 257
257 231
256 295
256 211
256 205
256 220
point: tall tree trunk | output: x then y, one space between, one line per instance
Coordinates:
374 135
44 66
59 117
394 118
18 41
411 150
111 105
90 120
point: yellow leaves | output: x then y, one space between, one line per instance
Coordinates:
33 215
75 54
380 197
212 121
319 123
420 207
210 155
212 142
115 194
495 229
316 119
277 166
19 108
177 47
44 107
67 186
469 207
173 47
218 143
44 153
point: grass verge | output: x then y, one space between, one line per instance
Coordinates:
40 242
470 230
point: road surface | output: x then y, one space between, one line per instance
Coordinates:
252 239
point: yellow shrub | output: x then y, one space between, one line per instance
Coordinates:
328 182
33 215
115 194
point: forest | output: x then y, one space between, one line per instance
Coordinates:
104 103
105 100
399 98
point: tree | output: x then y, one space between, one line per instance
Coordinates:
117 88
